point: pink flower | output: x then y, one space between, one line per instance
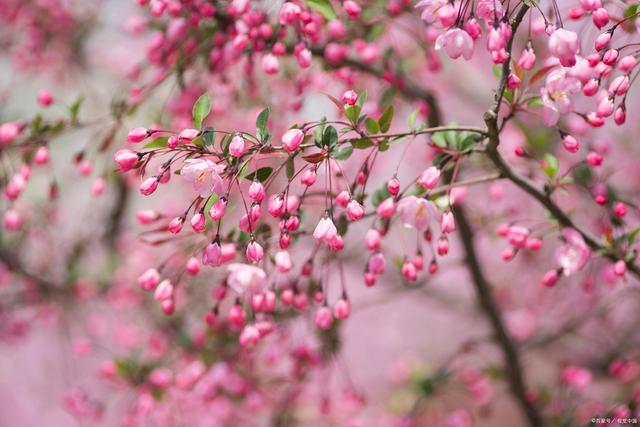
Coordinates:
517 236
12 220
429 178
148 186
270 64
416 212
245 278
204 175
126 159
292 139
456 42
198 222
164 291
138 135
9 132
447 223
355 211
323 318
256 191
488 10
218 209
573 255
350 97
254 251
387 208
212 255
237 146
372 239
431 9
341 309
527 59
556 96
325 230
376 263
289 13
45 98
149 279
283 261
576 377
564 45
249 336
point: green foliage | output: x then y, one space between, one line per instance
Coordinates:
323 7
261 174
201 110
261 126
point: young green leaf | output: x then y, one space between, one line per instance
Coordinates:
329 137
323 7
209 136
201 110
261 174
385 119
343 153
261 125
551 165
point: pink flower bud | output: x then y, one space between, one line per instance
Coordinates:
198 222
323 318
355 211
148 186
126 159
507 254
192 266
337 243
237 146
620 209
600 17
335 53
289 13
292 139
343 198
534 244
513 81
308 177
372 239
472 27
341 309
570 144
212 255
409 272
443 246
86 168
619 85
393 186
596 120
517 236
138 135
173 142
254 252
350 97
249 336
376 264
605 107
276 206
594 159
620 115
591 88
12 220
254 212
256 191
164 291
387 208
369 279
189 135
168 306
283 261
98 186
44 98
352 9
576 13
175 225
236 316
149 279
146 216
9 132
41 156
620 268
303 56
218 209
429 178
603 41
550 278
610 56
447 223
564 45
285 240
325 230
270 64
626 63
527 59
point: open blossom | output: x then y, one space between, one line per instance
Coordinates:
573 255
245 278
417 212
325 230
564 45
204 175
556 96
431 9
456 42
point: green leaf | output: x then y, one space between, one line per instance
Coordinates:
209 136
74 109
380 195
411 120
375 31
439 138
371 126
261 125
201 110
159 142
224 144
535 102
352 112
343 153
317 133
361 144
467 143
323 7
385 119
290 168
261 174
329 137
552 165
361 98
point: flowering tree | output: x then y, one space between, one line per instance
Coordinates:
259 170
